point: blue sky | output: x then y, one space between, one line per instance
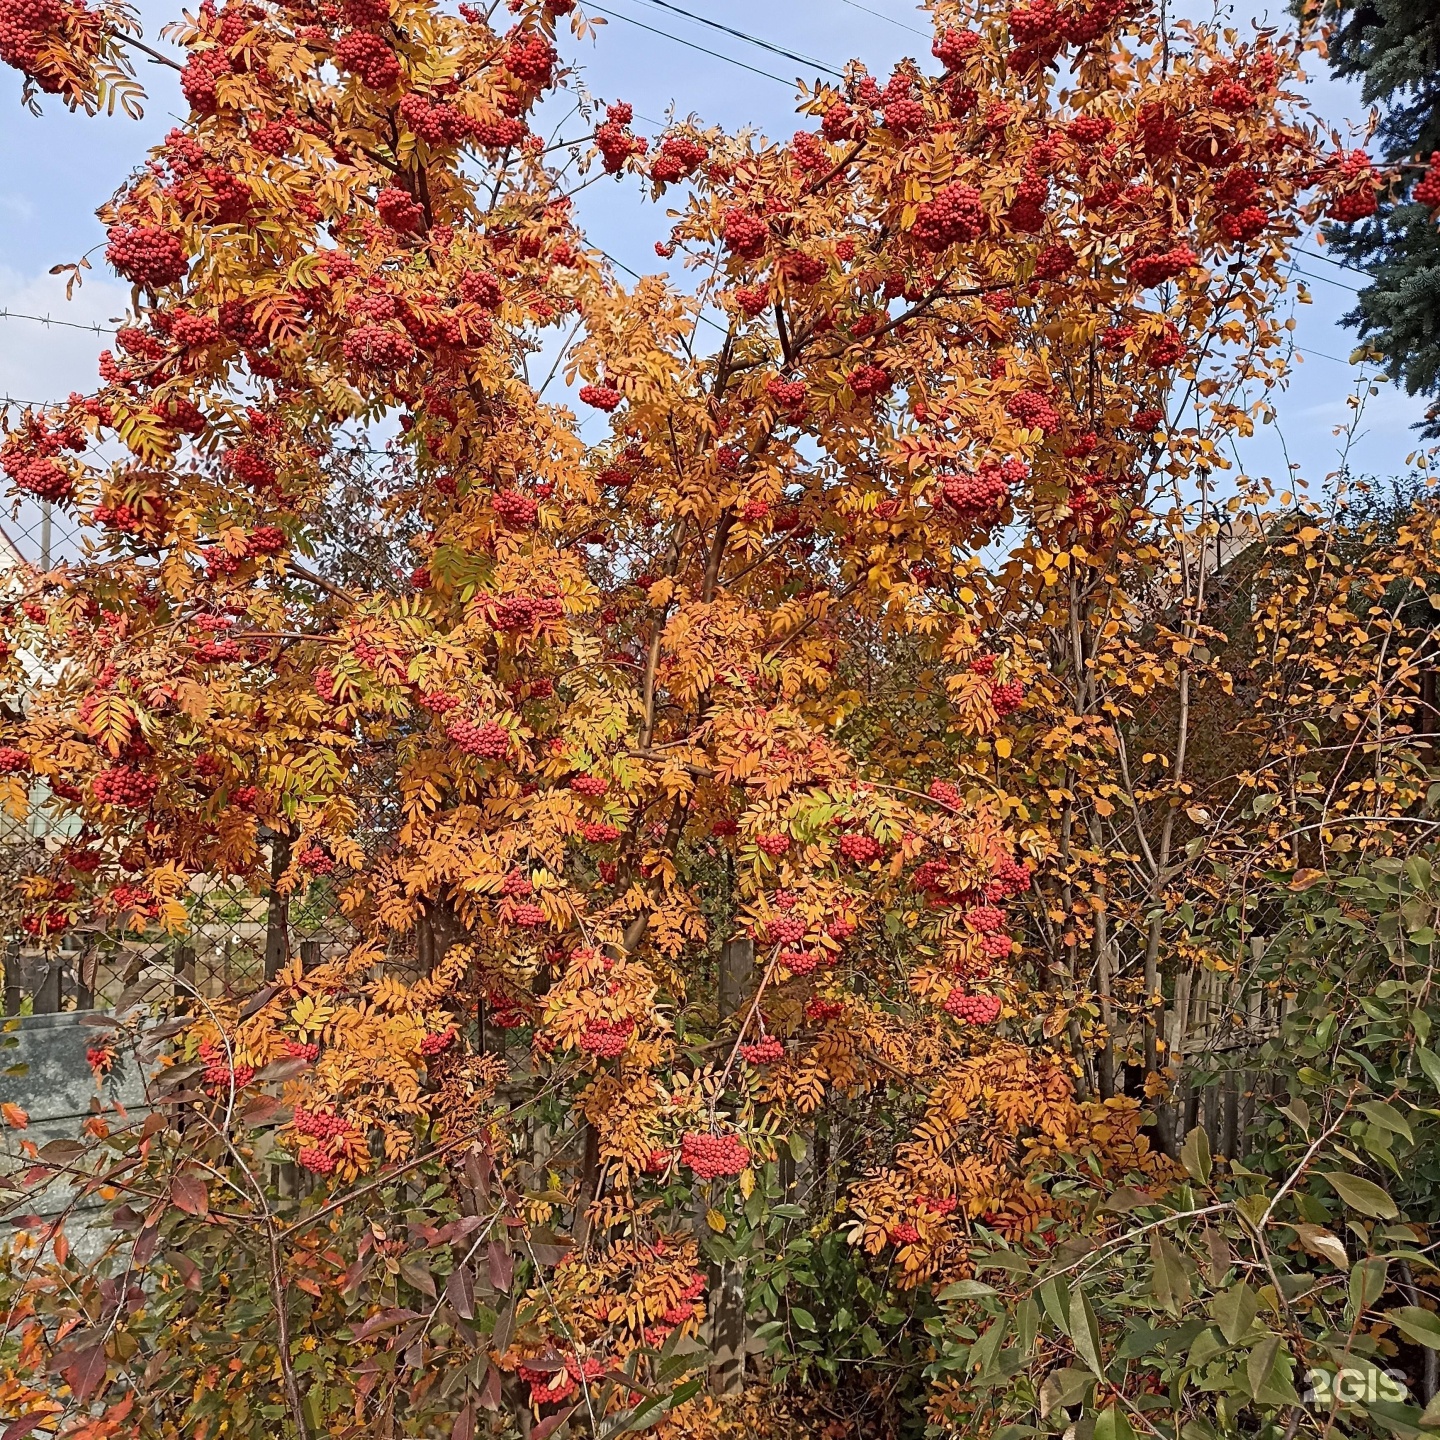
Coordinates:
55 170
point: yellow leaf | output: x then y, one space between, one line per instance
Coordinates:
716 1221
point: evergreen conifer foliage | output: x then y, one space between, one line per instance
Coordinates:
1393 48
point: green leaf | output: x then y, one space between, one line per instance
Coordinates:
1027 1326
1234 1311
1195 1155
1362 1195
1170 1281
1113 1424
1063 1388
797 1147
803 1318
966 1290
1429 1063
1367 1283
1387 1117
982 1355
1267 1372
1085 1333
1415 1324
1055 1297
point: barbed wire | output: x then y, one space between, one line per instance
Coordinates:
95 328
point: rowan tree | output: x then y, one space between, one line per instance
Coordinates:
618 729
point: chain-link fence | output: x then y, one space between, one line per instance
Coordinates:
234 941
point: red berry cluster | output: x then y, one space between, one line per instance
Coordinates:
599 832
13 761
302 1050
1168 350
787 394
745 234
378 348
368 56
530 59
1054 261
774 845
51 923
976 496
799 962
24 25
1034 411
945 792
437 1041
602 397
786 930
433 121
487 741
607 1038
904 1233
713 1156
1232 96
822 1011
613 138
1008 877
955 215
1162 265
264 540
147 255
526 914
317 1159
125 786
198 78
517 884
593 786
514 509
1007 698
803 268
951 47
100 1059
521 612
752 299
973 1009
764 1051
678 156
219 1073
1427 192
868 381
860 848
320 1124
498 132
1089 129
314 859
985 919
400 210
1027 213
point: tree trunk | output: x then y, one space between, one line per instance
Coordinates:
277 919
727 1289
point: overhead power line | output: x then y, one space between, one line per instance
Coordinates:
889 19
1338 264
691 45
747 38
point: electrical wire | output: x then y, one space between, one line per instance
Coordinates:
1326 280
1338 264
889 19
691 45
747 38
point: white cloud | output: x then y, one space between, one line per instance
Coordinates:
40 362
